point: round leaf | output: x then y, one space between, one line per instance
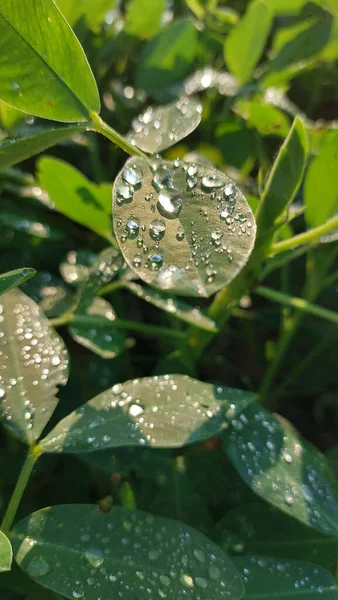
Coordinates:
164 411
159 128
33 361
182 227
5 553
80 552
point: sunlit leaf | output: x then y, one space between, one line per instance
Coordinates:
33 361
160 127
183 227
245 43
283 469
5 553
143 19
44 70
14 278
17 150
268 120
163 411
10 117
92 12
80 552
321 185
269 579
75 196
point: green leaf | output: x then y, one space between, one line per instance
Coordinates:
284 180
92 12
267 119
167 58
33 362
80 552
321 185
244 531
49 291
12 279
143 19
30 219
163 411
103 270
246 41
161 127
5 553
15 151
10 117
195 226
286 6
271 579
174 306
283 469
44 71
75 268
75 196
107 343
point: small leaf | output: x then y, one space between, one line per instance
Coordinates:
103 340
283 469
272 579
284 180
183 227
44 71
15 151
321 185
175 307
75 196
132 554
245 43
142 19
93 13
267 119
5 553
14 278
33 361
163 411
167 58
244 531
161 127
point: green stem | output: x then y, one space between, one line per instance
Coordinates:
97 321
115 137
305 238
111 287
299 303
19 490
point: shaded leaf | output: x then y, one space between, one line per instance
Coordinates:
75 196
93 13
167 58
141 556
245 43
195 226
49 291
17 150
10 117
5 553
143 19
321 185
268 120
163 411
175 307
160 127
283 469
34 361
75 268
104 268
30 219
14 278
268 578
45 72
244 531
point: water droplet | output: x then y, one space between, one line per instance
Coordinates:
187 581
214 572
289 499
135 410
137 261
212 182
38 567
180 233
201 582
133 175
124 194
164 580
200 555
78 593
163 177
169 203
94 557
132 226
153 554
2 393
155 258
157 229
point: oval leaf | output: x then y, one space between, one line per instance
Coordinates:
165 411
183 227
160 127
5 553
15 151
283 469
80 552
271 579
321 184
33 362
14 278
44 71
104 268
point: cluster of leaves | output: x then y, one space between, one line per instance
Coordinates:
179 480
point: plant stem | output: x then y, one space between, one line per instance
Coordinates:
111 287
101 127
305 238
299 303
19 490
97 321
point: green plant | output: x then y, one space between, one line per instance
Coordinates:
187 485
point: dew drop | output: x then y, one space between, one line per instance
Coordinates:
212 182
132 226
201 582
180 233
94 557
214 572
124 193
163 177
133 175
137 261
187 581
169 203
200 555
135 410
153 554
157 229
38 567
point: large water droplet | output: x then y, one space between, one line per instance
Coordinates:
155 258
135 410
201 582
132 226
94 557
124 193
38 567
169 203
133 175
212 182
157 229
163 177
